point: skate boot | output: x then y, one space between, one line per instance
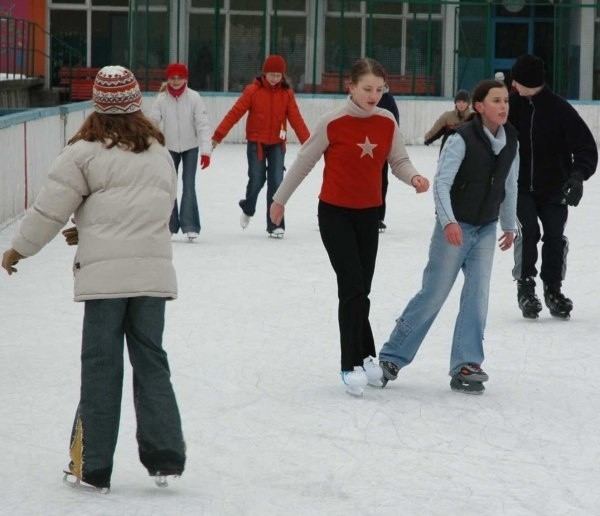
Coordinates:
469 379
355 381
94 484
382 226
276 233
390 371
529 303
373 371
244 220
557 303
192 235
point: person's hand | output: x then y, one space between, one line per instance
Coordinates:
453 234
204 161
506 240
573 189
276 213
214 143
420 183
71 235
10 258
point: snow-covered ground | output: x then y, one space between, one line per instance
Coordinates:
253 345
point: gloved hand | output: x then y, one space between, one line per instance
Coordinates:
10 258
71 235
573 189
204 161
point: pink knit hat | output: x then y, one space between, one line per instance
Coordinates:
116 91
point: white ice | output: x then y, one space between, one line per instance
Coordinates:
254 352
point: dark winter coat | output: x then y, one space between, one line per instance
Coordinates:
554 141
479 186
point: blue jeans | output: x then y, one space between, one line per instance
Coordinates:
269 169
94 437
187 218
474 258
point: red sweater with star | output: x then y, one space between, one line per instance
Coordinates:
355 144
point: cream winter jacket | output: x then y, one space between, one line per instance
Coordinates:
183 121
122 202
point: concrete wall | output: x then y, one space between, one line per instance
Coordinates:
31 139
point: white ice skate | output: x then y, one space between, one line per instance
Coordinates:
373 371
355 381
192 235
244 220
161 480
277 233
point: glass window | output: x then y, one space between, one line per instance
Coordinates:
245 51
387 44
205 66
68 46
150 41
289 5
67 1
207 3
342 48
247 5
428 7
290 42
343 5
385 7
109 39
115 3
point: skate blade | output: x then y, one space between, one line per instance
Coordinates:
561 315
75 483
162 480
531 316
271 235
355 392
376 384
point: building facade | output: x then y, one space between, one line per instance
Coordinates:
428 47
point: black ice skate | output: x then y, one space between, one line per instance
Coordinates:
467 387
559 305
382 226
469 379
390 371
529 303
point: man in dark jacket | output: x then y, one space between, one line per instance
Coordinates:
557 153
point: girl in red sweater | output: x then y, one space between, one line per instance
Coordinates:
356 139
270 103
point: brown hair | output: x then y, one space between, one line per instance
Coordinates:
131 131
364 66
480 92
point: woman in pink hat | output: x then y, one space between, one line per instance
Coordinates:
270 103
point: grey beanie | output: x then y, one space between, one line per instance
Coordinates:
462 95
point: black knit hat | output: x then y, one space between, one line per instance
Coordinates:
528 70
462 95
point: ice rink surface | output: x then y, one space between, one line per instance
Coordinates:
254 352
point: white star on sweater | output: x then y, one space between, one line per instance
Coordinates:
367 147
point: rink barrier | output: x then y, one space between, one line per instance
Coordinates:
31 139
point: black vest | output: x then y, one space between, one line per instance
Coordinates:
479 186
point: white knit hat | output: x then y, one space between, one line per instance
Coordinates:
116 91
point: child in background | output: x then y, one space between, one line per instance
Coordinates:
270 103
475 183
119 180
355 140
182 114
450 119
387 102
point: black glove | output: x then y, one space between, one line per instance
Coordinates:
573 189
428 142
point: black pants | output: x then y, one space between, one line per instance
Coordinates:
351 237
384 188
552 214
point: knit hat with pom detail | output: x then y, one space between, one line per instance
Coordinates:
528 70
116 91
274 64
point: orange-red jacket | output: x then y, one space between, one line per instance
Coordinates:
269 108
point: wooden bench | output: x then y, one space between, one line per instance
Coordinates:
80 80
398 84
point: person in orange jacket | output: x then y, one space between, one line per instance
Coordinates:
270 103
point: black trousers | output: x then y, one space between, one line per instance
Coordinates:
548 209
351 238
